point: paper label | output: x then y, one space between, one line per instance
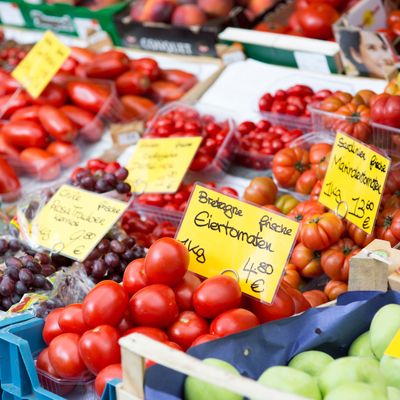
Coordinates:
354 181
393 349
226 235
312 62
159 165
74 221
40 65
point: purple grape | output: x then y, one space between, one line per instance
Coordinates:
48 270
129 255
99 269
94 254
39 281
117 247
6 303
14 245
21 288
114 277
88 183
103 246
26 276
3 246
7 286
102 186
47 285
13 262
123 187
129 242
34 267
15 298
12 272
83 174
110 179
112 260
26 258
42 258
121 174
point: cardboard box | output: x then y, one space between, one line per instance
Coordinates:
287 50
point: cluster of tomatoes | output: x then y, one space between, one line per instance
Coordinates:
218 144
261 139
392 31
293 101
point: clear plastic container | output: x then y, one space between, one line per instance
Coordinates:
386 138
289 121
253 159
225 154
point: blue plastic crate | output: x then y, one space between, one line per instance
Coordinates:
20 344
14 320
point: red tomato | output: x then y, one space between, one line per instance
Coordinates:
155 306
43 363
89 95
105 304
23 134
125 324
386 110
316 297
317 19
166 262
107 374
393 18
29 113
333 289
138 106
67 153
164 91
99 348
148 66
40 163
300 302
216 295
82 55
7 82
71 320
10 186
134 276
306 182
51 327
184 79
152 333
184 291
57 124
12 102
64 356
187 328
233 321
307 261
107 65
6 149
133 83
204 339
53 95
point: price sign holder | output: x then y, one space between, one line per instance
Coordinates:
161 164
74 221
393 349
40 65
227 236
354 181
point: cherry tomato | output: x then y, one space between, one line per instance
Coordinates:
105 304
67 153
216 295
107 374
99 348
184 291
71 320
134 276
154 305
64 356
187 328
51 327
233 321
23 134
166 262
40 163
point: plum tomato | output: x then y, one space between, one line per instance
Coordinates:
233 321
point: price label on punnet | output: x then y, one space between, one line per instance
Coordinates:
227 236
74 221
354 181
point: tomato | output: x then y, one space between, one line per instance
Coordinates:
321 231
40 163
361 238
71 320
154 305
9 151
306 182
321 167
8 83
216 295
133 83
107 65
166 262
107 374
307 261
184 79
392 183
149 331
386 110
10 186
393 17
12 102
363 97
53 95
43 363
292 276
64 356
288 164
51 327
57 124
23 134
134 276
319 151
165 91
96 164
286 203
388 226
29 113
89 95
90 127
392 201
337 4
82 55
281 307
184 291
139 106
306 209
300 302
148 66
261 190
317 19
316 297
272 207
331 104
67 153
69 66
333 289
336 260
105 304
187 328
316 191
233 321
204 339
99 348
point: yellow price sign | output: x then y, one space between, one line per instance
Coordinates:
226 235
40 65
354 181
159 165
74 221
393 349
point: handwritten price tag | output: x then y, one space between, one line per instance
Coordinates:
354 181
161 164
393 349
226 235
39 66
74 221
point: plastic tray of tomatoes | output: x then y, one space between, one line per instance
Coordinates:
386 138
289 121
215 125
